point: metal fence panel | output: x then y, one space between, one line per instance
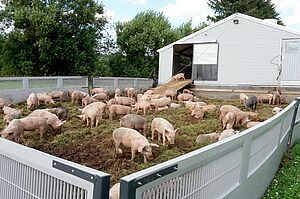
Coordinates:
28 173
42 83
225 169
75 82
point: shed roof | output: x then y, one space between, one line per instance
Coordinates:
231 17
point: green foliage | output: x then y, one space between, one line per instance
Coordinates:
186 29
51 37
286 183
139 39
257 8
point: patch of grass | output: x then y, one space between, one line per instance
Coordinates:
286 183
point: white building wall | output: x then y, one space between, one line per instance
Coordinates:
245 51
165 65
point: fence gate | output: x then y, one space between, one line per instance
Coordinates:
290 51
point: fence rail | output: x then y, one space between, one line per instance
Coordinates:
17 89
28 173
225 169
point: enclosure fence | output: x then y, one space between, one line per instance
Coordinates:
17 89
26 173
241 166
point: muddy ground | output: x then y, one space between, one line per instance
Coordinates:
95 148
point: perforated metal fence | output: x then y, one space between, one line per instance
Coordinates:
225 169
28 173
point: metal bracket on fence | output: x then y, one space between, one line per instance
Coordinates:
293 123
128 192
101 184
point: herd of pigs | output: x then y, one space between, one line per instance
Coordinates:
128 104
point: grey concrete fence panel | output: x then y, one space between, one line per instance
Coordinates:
17 89
28 173
226 169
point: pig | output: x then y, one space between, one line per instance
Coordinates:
243 98
117 109
131 92
277 97
175 106
4 102
59 95
8 118
187 91
149 92
210 137
43 97
165 101
16 127
111 102
136 122
227 133
101 97
251 124
99 90
252 115
126 101
251 103
155 96
10 114
61 112
98 105
193 105
178 77
141 97
117 92
163 128
265 98
185 97
51 119
162 108
208 108
240 116
8 110
114 192
13 131
133 139
144 105
32 101
88 100
92 117
228 120
76 97
171 93
276 110
198 113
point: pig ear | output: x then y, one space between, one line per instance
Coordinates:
154 145
140 149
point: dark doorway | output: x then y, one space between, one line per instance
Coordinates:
182 60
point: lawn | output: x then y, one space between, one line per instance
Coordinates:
95 147
286 183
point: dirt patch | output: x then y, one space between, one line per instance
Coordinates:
94 147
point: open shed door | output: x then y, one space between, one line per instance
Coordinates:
205 62
290 74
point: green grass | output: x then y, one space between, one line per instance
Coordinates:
286 183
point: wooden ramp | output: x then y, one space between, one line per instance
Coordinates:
172 85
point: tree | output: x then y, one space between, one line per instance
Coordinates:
53 37
257 8
139 40
186 29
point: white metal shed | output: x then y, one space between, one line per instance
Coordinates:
238 50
